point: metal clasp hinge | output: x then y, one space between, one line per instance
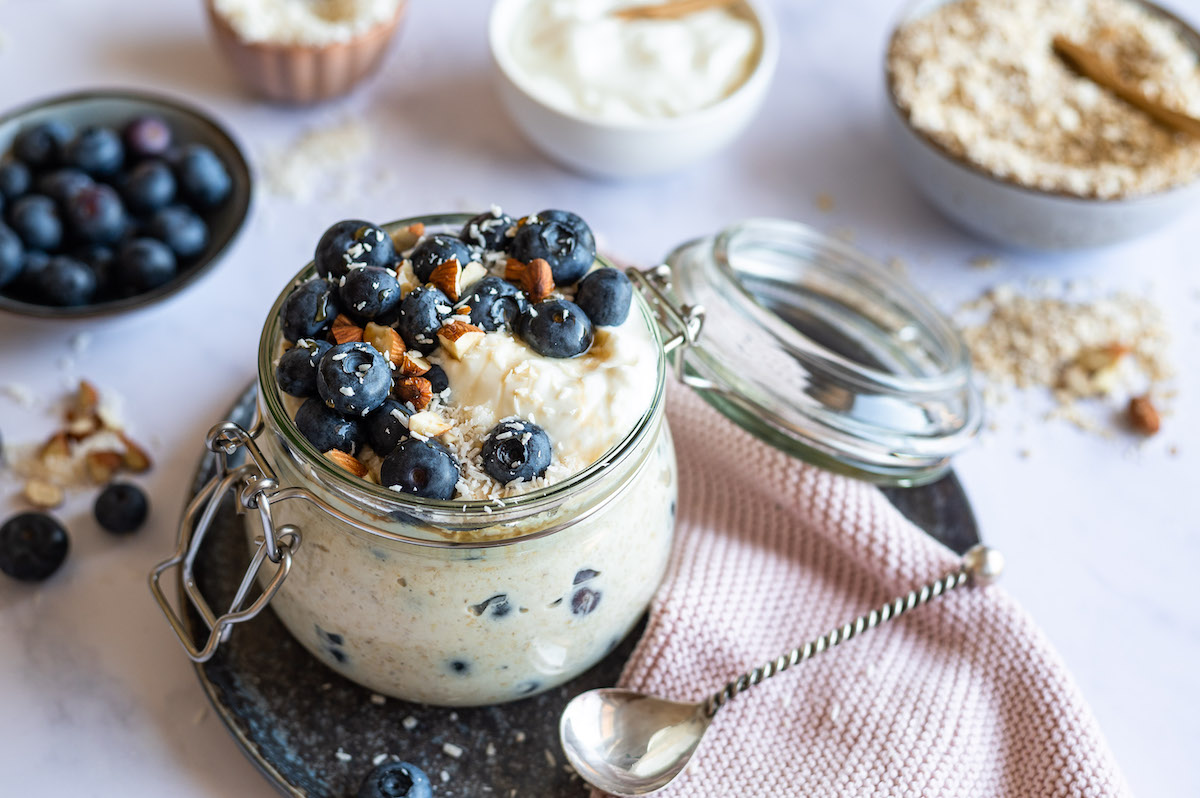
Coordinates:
680 323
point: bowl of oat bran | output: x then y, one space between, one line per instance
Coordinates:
1010 143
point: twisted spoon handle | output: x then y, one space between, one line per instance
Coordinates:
980 566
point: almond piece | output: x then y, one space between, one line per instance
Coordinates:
43 494
346 331
472 273
412 364
136 459
458 337
417 391
448 278
407 237
1143 415
386 340
535 277
102 466
80 428
59 445
84 403
347 462
428 424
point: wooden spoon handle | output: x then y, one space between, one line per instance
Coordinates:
670 10
1091 66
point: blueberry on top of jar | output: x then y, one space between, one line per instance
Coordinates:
421 314
562 239
495 304
370 293
420 467
516 450
387 426
556 328
309 311
435 250
203 179
96 150
605 296
42 145
296 371
326 429
488 230
350 243
353 378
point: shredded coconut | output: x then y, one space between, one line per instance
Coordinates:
319 162
309 22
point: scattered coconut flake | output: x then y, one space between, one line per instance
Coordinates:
319 162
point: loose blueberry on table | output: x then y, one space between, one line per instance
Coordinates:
121 508
32 546
361 334
64 192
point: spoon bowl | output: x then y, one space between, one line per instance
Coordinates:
645 741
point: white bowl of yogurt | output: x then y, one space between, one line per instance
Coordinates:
620 98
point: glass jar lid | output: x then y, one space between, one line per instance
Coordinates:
817 349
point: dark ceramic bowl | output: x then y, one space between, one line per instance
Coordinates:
189 126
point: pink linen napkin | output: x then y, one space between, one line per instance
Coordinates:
963 697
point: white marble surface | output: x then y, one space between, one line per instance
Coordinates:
97 698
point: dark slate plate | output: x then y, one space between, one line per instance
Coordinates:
291 715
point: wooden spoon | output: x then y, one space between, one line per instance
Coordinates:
1091 66
670 10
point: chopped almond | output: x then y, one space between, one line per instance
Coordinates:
472 273
1143 415
535 277
59 445
43 494
386 340
102 466
406 237
136 458
458 337
347 462
85 402
417 391
447 277
412 364
428 424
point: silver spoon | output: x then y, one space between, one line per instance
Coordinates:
627 743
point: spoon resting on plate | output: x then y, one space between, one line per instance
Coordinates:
628 743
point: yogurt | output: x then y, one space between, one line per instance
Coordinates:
579 58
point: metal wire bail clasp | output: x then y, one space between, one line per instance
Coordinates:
253 484
681 324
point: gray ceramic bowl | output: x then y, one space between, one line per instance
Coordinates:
189 125
1021 217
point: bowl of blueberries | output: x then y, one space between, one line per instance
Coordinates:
111 201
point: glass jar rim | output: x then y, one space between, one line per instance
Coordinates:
446 513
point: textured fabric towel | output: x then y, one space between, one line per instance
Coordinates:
963 697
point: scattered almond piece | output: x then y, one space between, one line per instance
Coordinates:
43 494
1143 415
346 331
58 446
535 277
458 337
85 402
103 466
412 364
135 458
347 462
386 340
417 391
447 277
428 424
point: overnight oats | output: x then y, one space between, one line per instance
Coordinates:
478 401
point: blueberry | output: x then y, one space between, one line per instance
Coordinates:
202 177
585 575
12 255
422 468
460 666
395 780
32 546
422 312
435 250
384 430
556 328
353 242
495 303
142 264
327 430
64 282
605 296
94 214
584 601
99 258
35 219
370 293
96 150
180 229
488 230
62 184
309 311
42 145
15 179
562 239
121 508
354 378
147 136
438 381
516 450
296 372
149 186
26 283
